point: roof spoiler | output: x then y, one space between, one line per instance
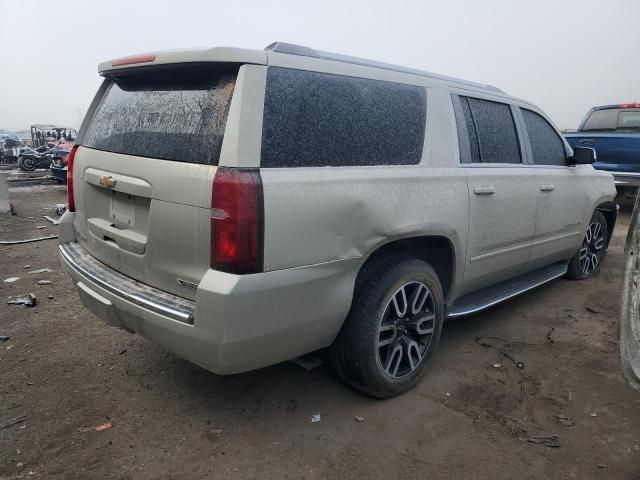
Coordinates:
214 55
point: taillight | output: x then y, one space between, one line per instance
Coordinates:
131 60
237 221
70 198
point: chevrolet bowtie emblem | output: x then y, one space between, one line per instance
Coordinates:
106 181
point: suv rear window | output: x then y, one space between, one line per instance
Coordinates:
316 120
175 114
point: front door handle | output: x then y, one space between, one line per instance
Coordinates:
547 187
484 190
587 141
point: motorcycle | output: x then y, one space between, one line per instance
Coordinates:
41 157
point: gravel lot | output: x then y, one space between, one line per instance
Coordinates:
67 372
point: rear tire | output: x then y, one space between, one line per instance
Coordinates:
392 329
586 262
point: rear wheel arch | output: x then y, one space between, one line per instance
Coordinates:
610 212
436 250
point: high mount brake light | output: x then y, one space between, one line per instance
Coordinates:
629 105
70 198
131 60
237 221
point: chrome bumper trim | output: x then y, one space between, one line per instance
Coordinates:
631 179
149 298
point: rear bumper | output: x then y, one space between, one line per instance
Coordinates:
237 323
90 270
623 175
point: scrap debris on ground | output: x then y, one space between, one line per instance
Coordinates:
565 421
551 441
13 421
103 426
40 270
29 300
27 240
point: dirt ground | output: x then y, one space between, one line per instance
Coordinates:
68 372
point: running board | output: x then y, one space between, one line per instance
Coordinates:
488 297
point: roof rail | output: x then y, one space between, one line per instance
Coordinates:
292 49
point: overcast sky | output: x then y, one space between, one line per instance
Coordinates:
563 55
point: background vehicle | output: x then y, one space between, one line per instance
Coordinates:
614 132
59 160
31 159
9 149
259 205
43 134
629 325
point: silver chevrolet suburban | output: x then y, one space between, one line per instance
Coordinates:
242 207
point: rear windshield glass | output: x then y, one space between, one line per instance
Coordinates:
175 114
602 120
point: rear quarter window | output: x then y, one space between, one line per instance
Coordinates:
467 136
176 114
316 119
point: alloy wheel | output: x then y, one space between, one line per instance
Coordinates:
406 329
592 248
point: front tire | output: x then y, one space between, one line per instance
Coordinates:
586 262
392 329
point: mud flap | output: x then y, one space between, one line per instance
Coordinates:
98 305
629 326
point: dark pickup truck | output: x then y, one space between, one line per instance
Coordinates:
614 132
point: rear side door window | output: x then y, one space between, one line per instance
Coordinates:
314 119
486 131
547 147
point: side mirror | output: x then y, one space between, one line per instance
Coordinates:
583 156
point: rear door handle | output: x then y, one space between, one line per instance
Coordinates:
484 190
587 141
547 187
